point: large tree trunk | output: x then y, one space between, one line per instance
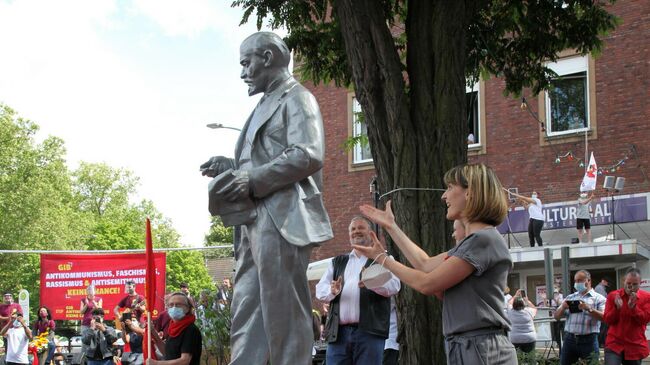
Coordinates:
415 133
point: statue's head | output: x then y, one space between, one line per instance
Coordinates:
263 57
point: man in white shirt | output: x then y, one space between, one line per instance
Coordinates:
18 334
536 221
358 321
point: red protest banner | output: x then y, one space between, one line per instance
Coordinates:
64 279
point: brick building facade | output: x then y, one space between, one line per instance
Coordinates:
615 115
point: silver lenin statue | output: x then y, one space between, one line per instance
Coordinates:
272 189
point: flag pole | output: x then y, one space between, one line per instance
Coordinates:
150 292
149 338
586 150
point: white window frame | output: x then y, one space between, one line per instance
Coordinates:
357 130
477 135
563 67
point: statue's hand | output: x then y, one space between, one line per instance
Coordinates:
239 188
216 165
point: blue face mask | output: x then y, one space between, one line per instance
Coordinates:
176 313
17 323
580 287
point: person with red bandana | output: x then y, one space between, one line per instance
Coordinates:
183 347
627 312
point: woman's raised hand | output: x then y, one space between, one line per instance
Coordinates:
384 218
373 250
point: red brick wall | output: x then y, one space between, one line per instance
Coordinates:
343 191
622 74
622 87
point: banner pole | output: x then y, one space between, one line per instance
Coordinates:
149 338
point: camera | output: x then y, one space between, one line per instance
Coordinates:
97 319
523 294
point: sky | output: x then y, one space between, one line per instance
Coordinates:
132 83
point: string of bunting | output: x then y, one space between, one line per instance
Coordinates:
570 155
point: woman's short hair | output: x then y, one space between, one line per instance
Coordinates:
486 199
518 303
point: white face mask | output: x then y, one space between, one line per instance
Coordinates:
583 196
534 196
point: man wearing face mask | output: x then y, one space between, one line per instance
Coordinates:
185 342
584 310
18 335
536 221
133 302
7 308
583 218
627 313
98 340
358 321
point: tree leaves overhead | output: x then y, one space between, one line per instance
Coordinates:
513 39
507 38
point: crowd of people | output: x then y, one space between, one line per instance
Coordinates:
177 339
481 321
480 324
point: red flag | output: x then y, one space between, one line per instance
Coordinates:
150 292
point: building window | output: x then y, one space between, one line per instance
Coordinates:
361 153
567 99
472 103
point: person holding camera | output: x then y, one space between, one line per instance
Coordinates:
584 310
132 334
17 334
99 339
521 313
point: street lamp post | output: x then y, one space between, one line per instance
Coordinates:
221 126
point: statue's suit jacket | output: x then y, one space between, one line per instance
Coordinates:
287 157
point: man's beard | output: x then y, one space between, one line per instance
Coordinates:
361 241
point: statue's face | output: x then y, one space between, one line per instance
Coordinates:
253 72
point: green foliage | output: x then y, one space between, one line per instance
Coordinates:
35 209
99 187
513 39
219 235
215 323
43 205
536 358
188 267
360 140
